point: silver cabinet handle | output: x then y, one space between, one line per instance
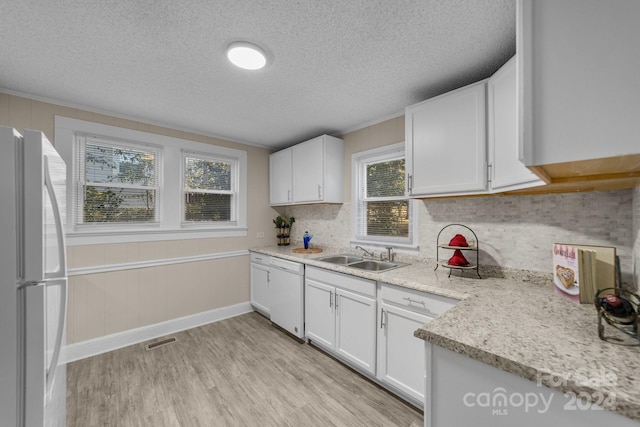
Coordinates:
336 303
415 301
381 318
319 192
330 299
288 194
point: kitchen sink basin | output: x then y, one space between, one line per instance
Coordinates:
371 265
341 259
355 261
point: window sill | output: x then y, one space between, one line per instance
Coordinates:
129 236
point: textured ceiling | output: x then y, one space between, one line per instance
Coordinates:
337 64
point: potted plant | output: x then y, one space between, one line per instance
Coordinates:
283 229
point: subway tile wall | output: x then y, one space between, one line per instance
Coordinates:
636 236
513 231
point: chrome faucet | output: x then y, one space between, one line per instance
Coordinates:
390 254
366 251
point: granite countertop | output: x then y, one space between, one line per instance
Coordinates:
518 325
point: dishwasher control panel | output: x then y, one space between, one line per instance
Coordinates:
291 266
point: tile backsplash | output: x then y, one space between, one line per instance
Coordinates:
636 236
513 231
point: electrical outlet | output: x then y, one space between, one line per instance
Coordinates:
260 235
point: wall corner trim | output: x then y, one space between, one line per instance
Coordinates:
93 347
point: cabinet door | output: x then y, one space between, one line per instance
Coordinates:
356 329
578 103
308 170
280 190
401 355
507 172
260 288
320 319
459 384
446 143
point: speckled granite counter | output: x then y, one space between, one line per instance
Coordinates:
518 326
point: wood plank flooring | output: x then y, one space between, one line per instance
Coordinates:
237 372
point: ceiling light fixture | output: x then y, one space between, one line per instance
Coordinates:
248 56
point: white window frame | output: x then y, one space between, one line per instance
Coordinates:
79 180
233 192
170 226
358 173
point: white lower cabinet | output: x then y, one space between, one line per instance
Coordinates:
370 327
340 316
400 354
260 294
320 317
355 335
467 392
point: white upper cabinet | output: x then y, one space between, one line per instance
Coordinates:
309 172
446 144
280 177
579 95
506 171
454 148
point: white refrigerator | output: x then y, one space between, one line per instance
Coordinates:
33 282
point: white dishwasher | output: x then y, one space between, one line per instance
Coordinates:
286 280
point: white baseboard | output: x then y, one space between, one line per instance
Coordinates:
93 347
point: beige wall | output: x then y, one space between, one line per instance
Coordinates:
378 135
106 303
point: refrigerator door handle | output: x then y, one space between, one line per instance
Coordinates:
62 317
62 252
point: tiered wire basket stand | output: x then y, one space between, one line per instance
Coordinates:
445 248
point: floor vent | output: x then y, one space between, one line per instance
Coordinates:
159 343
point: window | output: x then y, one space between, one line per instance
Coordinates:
116 182
383 213
134 186
209 189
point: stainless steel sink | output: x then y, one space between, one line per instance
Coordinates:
355 261
341 259
371 265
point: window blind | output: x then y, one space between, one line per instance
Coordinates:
116 182
209 189
383 212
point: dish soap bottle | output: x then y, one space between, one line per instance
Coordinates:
306 238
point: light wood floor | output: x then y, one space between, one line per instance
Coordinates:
237 372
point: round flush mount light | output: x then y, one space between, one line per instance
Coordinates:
246 55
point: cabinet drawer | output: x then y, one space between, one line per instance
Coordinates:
340 280
430 304
260 258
